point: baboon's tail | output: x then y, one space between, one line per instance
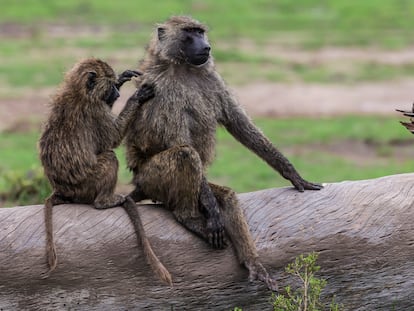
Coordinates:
408 125
150 256
50 244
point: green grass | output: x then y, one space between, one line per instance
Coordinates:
47 37
301 140
329 22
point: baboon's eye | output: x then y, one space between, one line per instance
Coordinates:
161 33
90 83
194 30
199 31
188 39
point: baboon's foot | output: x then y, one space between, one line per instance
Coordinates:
137 194
197 225
211 210
215 233
258 272
115 200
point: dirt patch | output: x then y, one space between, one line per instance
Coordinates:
362 153
315 100
326 54
260 99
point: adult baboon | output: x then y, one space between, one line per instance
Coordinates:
76 147
171 142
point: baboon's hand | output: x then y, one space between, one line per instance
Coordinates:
215 232
127 76
299 183
145 93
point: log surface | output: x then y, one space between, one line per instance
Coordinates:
363 230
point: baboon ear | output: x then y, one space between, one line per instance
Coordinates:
161 33
90 82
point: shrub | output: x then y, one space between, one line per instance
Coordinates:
308 296
29 187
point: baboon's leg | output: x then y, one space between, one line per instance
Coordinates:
238 231
174 177
105 179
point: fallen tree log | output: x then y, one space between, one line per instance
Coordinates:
363 231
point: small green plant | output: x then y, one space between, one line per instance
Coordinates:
308 296
30 187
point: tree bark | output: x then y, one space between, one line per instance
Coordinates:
363 231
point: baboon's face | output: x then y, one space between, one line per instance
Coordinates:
111 95
184 45
196 48
104 87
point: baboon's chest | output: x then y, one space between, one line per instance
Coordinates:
181 115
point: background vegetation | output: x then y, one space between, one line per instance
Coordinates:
39 40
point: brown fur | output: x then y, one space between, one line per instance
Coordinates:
171 143
76 148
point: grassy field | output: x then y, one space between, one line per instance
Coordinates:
384 149
63 31
39 40
338 22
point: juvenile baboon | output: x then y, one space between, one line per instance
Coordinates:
171 141
76 147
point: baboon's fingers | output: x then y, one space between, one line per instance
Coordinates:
145 93
210 239
215 233
300 188
136 73
213 240
217 240
128 74
312 186
221 242
302 185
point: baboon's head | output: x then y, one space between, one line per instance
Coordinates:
94 80
182 40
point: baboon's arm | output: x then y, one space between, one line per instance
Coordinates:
145 93
242 128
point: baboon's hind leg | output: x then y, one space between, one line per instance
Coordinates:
175 177
105 179
238 231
